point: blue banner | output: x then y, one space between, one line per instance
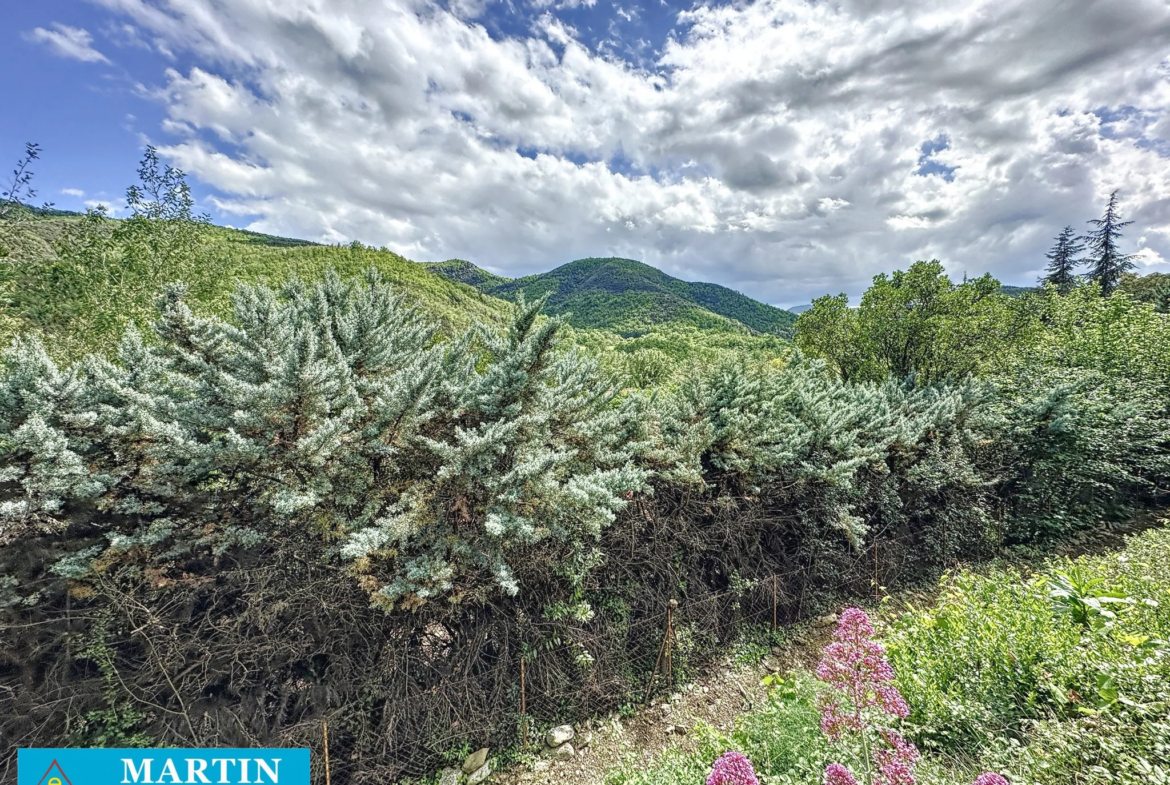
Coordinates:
162 767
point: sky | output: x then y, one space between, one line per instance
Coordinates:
784 148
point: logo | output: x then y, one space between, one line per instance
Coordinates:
59 779
163 767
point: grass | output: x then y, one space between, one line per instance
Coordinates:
1061 675
76 283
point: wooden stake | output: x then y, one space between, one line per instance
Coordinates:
669 637
523 707
325 736
774 581
663 649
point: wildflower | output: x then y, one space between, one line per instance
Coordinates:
990 778
896 762
732 768
836 774
856 666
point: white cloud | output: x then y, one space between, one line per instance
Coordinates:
77 192
114 208
66 41
774 146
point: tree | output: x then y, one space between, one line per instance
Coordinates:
1153 288
20 186
1062 261
1108 263
163 234
917 322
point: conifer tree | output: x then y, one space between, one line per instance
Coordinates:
1063 261
1108 264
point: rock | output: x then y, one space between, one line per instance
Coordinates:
449 777
675 697
562 752
480 774
772 664
475 761
669 729
559 735
584 739
541 765
826 620
706 690
777 651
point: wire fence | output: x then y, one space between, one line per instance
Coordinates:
275 657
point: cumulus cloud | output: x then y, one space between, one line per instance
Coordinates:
783 147
66 41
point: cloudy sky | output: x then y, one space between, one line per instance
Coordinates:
786 148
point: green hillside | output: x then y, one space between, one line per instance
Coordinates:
468 273
628 296
81 280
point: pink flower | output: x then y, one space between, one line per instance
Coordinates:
836 774
990 778
732 768
856 666
895 763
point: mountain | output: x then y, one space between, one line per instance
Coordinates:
1016 291
468 273
627 296
799 309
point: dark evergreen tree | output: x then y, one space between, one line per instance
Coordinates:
1108 263
1063 261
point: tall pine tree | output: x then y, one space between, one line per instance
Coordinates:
1108 264
1062 261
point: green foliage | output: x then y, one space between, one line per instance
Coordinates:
1106 262
327 412
917 322
782 738
468 273
628 297
1039 676
1153 288
1063 261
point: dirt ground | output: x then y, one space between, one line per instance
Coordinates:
718 699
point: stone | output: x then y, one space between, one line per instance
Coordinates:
584 738
541 765
562 752
449 777
480 774
826 620
777 651
559 735
772 664
475 761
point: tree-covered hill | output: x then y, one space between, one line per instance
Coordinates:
629 296
79 281
468 273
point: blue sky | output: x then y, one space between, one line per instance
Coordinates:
786 148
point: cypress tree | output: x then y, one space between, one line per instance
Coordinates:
1062 261
1108 264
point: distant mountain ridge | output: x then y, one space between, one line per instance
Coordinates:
627 296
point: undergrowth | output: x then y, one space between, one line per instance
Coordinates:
1061 675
